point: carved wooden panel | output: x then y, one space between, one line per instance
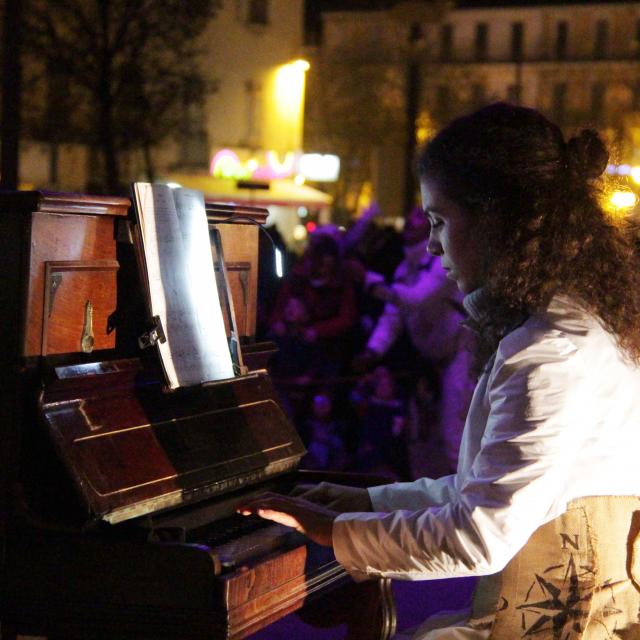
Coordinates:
80 295
67 238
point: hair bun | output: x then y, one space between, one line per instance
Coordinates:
586 154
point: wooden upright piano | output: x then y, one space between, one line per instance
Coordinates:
118 497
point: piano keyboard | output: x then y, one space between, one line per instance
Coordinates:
233 539
236 540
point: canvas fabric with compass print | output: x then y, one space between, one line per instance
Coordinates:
577 578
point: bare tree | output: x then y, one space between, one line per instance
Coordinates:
357 107
114 74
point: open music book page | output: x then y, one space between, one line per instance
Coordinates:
177 267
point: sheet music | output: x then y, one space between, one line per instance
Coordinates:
181 284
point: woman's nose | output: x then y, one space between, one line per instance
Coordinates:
433 246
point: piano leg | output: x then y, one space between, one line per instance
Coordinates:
375 617
367 608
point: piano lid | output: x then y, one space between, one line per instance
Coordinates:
132 448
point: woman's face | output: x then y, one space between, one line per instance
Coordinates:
452 237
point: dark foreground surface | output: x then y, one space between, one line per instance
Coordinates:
415 601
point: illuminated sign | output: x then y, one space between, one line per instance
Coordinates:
227 164
274 168
319 167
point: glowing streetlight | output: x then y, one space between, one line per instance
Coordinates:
301 65
290 79
287 106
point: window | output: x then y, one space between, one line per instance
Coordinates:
602 39
597 101
562 39
559 102
253 96
446 42
258 12
517 40
482 38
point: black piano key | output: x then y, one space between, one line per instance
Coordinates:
223 531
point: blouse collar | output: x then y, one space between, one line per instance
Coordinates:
476 304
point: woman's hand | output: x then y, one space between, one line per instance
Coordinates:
315 521
337 497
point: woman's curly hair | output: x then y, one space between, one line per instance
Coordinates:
535 201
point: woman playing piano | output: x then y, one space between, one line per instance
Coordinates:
543 500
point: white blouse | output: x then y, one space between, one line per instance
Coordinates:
556 417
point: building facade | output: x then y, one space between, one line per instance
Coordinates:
248 49
244 106
577 62
239 140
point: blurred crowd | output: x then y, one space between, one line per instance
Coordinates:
373 358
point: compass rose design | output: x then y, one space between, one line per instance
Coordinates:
560 606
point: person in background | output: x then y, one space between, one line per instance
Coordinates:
326 450
382 414
296 361
296 353
354 254
425 305
328 293
547 490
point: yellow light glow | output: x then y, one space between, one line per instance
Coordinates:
364 198
289 90
299 232
252 164
301 65
299 180
425 128
623 199
635 174
321 167
281 168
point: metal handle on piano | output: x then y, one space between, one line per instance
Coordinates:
86 342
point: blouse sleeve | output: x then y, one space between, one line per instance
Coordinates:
419 494
536 419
